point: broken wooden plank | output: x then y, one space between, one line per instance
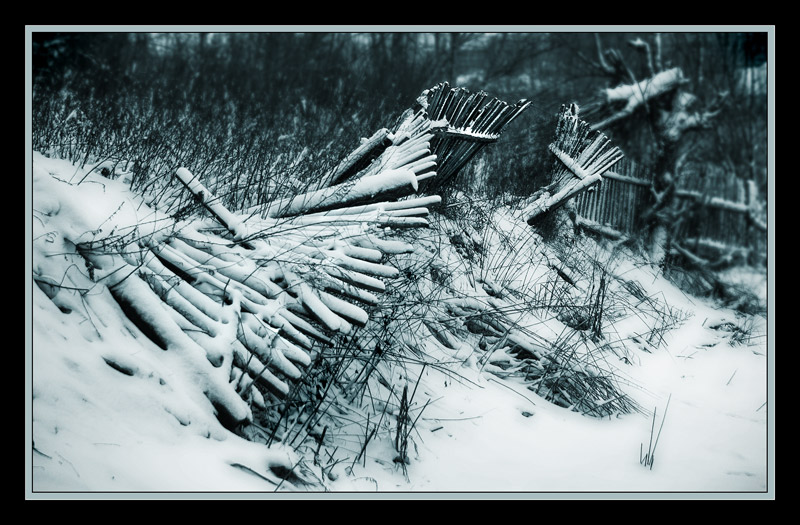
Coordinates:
359 159
583 160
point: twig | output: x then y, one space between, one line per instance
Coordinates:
508 387
649 458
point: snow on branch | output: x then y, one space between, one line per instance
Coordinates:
638 93
633 96
206 198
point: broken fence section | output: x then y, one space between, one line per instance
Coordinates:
463 123
614 204
435 139
583 156
721 212
306 267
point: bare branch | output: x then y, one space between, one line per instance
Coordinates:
644 47
658 61
601 60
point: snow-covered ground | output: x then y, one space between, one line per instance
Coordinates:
96 430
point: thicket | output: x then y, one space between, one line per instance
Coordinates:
252 106
242 110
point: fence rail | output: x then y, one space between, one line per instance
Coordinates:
721 211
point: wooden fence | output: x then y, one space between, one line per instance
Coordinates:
722 212
616 201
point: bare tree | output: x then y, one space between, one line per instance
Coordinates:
654 103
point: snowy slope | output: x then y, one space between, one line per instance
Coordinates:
97 429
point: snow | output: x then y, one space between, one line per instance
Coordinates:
644 90
638 94
483 436
97 429
363 188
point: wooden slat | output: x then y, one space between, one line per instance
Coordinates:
625 178
728 215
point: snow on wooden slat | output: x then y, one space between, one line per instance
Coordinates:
286 267
356 160
402 182
264 348
245 360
